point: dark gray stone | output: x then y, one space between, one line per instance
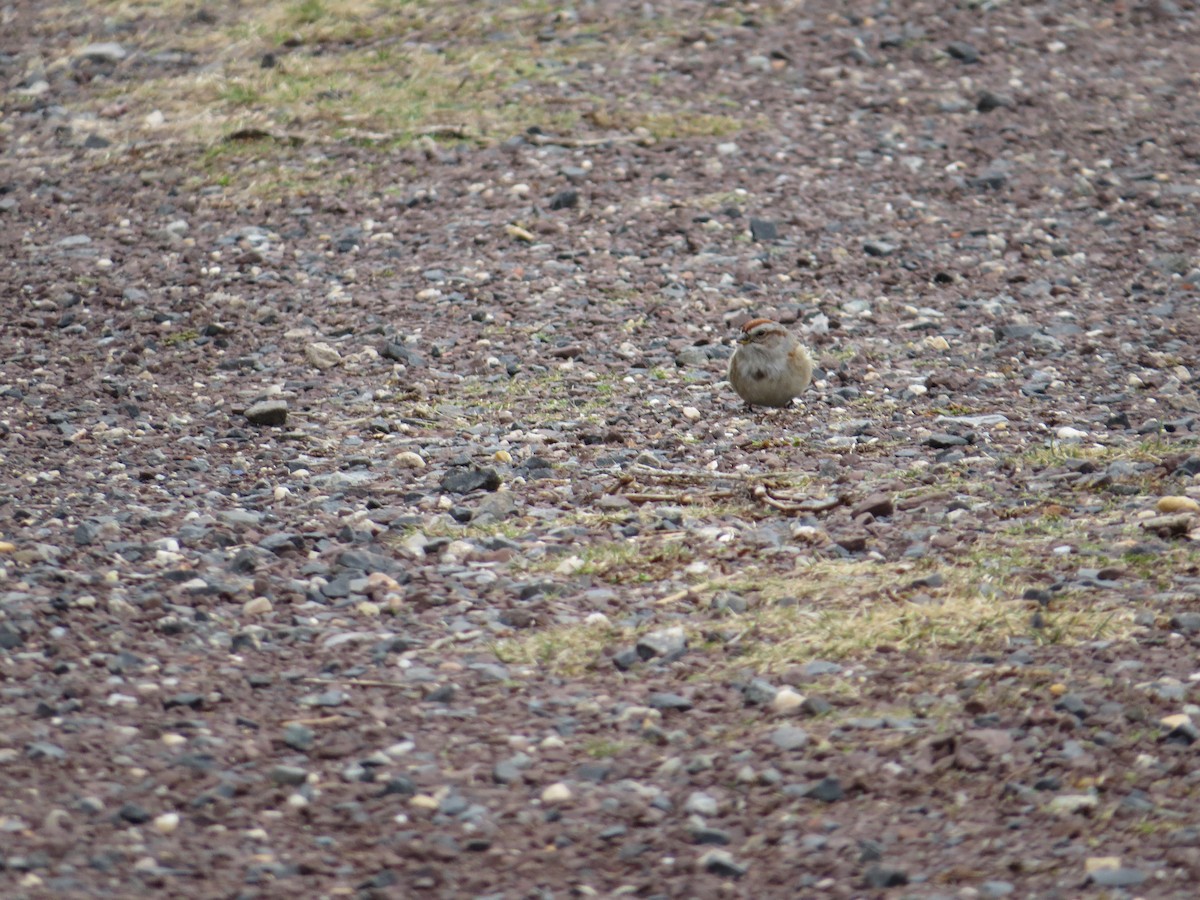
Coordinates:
789 737
464 479
268 412
885 877
565 199
763 230
963 52
1117 878
879 248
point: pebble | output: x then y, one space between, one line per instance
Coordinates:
464 479
787 701
789 737
963 52
885 877
166 823
1177 505
1069 804
763 230
1116 878
876 505
701 804
879 248
322 356
288 775
665 700
722 863
108 52
557 793
668 643
259 606
268 412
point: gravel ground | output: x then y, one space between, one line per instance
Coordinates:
378 522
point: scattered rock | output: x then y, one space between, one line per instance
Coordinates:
789 738
763 230
322 356
268 413
464 479
667 643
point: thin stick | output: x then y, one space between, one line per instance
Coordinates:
320 720
355 682
700 475
688 591
543 139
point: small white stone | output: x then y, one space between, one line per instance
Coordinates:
690 412
569 566
556 793
166 823
410 460
155 119
322 356
259 606
787 701
937 342
1067 433
918 389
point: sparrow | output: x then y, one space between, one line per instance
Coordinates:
770 365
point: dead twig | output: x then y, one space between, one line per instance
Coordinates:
702 475
682 499
807 505
694 589
355 682
542 140
318 720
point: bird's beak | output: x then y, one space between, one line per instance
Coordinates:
744 339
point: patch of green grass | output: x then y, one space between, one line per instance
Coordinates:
382 73
636 562
602 748
238 94
569 649
306 12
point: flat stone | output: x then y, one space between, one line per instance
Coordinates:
879 248
877 505
292 776
268 412
108 51
464 479
789 737
763 230
1116 878
669 701
667 642
885 877
963 52
722 863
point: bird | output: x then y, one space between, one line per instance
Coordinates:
770 366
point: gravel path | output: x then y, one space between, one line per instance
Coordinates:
376 521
